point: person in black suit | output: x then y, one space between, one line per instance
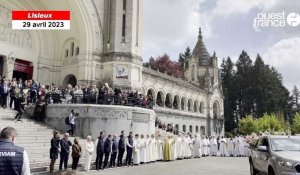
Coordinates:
107 150
65 144
100 151
129 148
114 149
4 89
121 147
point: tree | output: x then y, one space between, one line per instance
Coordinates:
243 80
183 57
296 124
252 89
248 125
227 77
296 95
165 64
270 123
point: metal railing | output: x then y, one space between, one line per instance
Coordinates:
102 99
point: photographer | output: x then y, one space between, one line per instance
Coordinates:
72 118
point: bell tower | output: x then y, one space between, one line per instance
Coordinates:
122 61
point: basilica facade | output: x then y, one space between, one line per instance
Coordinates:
104 46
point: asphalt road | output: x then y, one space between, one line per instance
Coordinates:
202 166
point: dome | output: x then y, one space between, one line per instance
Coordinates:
200 52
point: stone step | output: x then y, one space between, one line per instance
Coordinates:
47 144
35 137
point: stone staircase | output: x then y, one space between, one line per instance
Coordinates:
35 138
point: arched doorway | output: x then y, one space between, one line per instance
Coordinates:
159 99
176 102
70 79
168 101
183 105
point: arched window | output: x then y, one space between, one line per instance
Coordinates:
191 128
168 101
201 108
77 51
159 98
72 49
216 109
183 103
66 53
197 129
176 102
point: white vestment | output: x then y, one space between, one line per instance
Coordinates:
207 147
152 150
203 146
143 155
197 147
187 148
179 147
89 149
147 150
230 147
213 147
159 145
136 151
236 142
242 147
222 147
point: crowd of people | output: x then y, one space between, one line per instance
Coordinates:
16 94
110 150
115 151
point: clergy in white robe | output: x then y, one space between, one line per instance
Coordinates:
159 144
89 149
197 147
143 155
222 141
207 146
242 147
136 150
187 148
179 147
213 146
203 146
236 142
147 149
173 154
153 149
230 147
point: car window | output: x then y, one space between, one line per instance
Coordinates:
262 142
285 144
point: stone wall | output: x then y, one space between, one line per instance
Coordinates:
95 118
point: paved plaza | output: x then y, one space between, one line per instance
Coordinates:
205 166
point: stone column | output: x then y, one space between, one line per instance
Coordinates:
8 66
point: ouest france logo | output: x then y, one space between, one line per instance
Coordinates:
278 19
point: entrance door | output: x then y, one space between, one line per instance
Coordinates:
23 70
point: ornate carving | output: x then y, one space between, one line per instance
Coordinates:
20 38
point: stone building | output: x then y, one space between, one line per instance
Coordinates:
104 45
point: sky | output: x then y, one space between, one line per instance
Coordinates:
228 27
